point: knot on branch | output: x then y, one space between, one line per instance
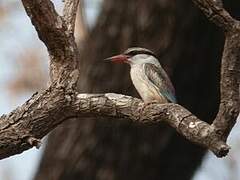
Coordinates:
220 148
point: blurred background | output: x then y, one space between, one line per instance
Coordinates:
189 48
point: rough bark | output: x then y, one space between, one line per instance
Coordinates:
190 50
18 130
23 127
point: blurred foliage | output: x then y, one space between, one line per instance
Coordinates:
30 73
6 8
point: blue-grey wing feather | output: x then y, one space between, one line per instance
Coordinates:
160 79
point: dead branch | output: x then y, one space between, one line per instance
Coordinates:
230 67
43 112
25 126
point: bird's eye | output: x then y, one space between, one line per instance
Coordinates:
132 53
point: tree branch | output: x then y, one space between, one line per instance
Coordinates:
24 127
215 12
43 112
49 25
230 83
54 33
121 106
230 69
69 14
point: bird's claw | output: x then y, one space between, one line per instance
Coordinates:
147 104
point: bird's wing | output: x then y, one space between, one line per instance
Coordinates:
160 79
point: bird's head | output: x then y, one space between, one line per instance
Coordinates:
134 55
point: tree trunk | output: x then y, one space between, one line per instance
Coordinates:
189 48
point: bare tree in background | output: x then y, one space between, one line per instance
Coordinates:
190 49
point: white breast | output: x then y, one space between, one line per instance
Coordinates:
145 88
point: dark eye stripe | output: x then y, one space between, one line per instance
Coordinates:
132 53
139 51
149 53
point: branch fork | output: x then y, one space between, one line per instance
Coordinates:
25 126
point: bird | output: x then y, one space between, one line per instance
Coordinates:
147 75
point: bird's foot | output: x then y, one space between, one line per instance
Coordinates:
146 104
151 102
